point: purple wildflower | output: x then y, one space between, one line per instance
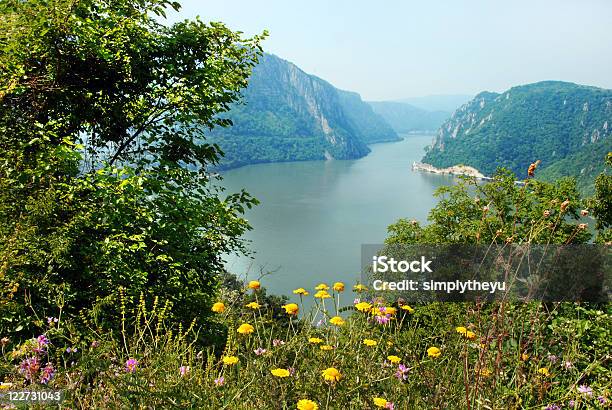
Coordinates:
383 320
584 389
131 365
52 320
71 350
401 373
183 370
259 351
571 403
95 344
552 407
602 399
552 358
219 381
277 342
568 365
47 373
356 300
291 370
390 406
29 367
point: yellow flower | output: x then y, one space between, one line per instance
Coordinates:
336 320
291 308
524 357
245 329
230 360
322 286
380 402
301 291
389 343
218 307
359 287
363 306
394 359
322 294
370 342
331 374
326 347
338 287
5 386
280 372
461 330
544 371
485 372
433 352
253 305
470 335
315 340
408 308
254 284
306 404
390 310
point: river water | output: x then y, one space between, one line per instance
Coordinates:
314 216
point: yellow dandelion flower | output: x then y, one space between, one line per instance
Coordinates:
461 330
434 352
306 404
359 287
218 307
363 306
291 308
331 374
407 308
245 329
322 286
326 347
315 340
380 402
485 372
336 320
370 342
280 373
524 357
390 310
322 294
254 284
253 305
544 371
230 360
5 386
470 335
394 359
338 287
300 291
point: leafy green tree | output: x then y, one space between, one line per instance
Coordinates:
103 159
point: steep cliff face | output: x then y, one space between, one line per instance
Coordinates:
551 121
288 115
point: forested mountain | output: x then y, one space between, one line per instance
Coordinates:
407 118
288 115
565 125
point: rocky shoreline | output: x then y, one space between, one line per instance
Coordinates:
454 170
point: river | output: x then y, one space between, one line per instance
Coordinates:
314 216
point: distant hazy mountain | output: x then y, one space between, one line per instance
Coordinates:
565 125
407 118
289 115
448 103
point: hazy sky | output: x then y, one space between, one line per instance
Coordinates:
403 48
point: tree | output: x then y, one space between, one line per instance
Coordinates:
103 182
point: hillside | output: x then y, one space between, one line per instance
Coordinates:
565 125
288 115
408 118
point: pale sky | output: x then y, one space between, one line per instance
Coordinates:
393 49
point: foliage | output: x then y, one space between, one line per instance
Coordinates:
103 179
